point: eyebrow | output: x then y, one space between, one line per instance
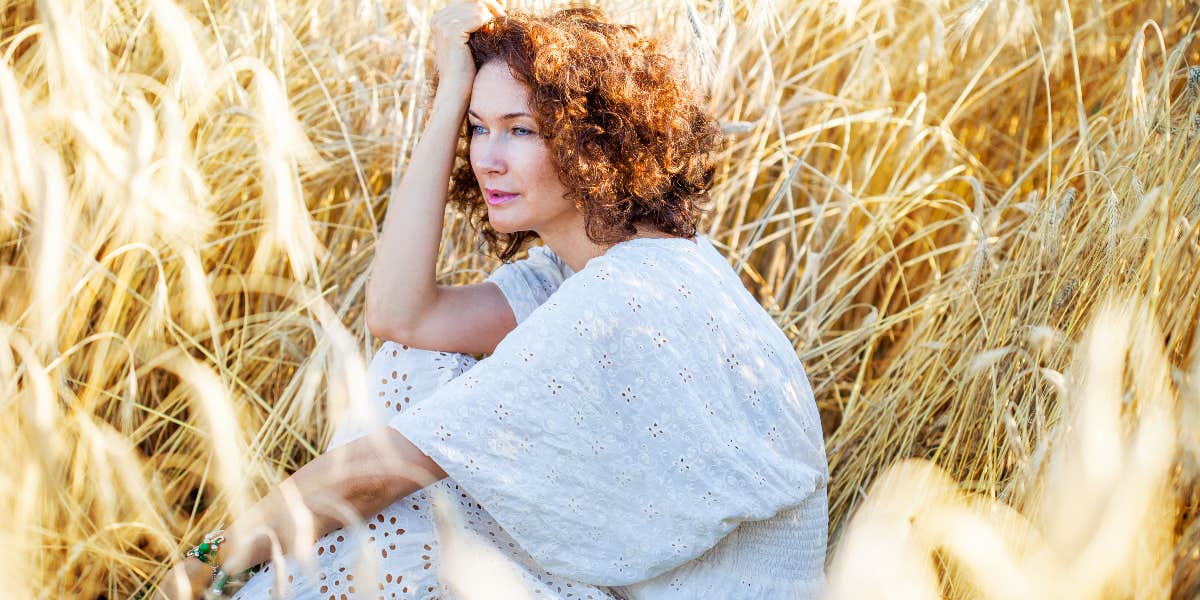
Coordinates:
506 117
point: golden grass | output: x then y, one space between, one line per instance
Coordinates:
933 198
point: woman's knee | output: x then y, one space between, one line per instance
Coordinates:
399 376
397 368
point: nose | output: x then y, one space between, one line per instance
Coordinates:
488 156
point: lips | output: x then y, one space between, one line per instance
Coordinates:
498 197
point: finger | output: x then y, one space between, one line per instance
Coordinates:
480 19
496 7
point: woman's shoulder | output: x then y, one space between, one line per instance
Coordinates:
547 254
647 271
660 255
632 255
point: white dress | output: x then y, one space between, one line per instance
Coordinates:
645 432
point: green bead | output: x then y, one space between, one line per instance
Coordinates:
220 579
205 547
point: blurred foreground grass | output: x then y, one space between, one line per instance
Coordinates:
977 220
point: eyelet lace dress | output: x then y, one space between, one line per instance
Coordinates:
646 432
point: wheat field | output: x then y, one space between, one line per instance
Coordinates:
977 220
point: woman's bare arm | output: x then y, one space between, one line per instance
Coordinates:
402 282
339 487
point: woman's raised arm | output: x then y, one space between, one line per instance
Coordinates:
402 282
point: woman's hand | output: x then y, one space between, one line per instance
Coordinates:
452 27
187 580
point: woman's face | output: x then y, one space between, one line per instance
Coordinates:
510 159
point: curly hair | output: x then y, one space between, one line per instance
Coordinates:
630 138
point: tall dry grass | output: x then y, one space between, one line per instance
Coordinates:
933 198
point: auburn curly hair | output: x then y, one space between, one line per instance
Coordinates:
628 134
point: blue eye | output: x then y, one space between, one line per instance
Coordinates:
521 131
475 130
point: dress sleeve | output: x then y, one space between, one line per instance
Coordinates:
528 282
605 444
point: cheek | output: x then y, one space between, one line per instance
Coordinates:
541 167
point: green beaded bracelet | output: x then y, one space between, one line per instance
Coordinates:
221 579
206 552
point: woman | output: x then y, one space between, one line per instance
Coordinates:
646 431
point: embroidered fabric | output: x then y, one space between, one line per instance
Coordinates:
395 554
645 432
634 419
527 283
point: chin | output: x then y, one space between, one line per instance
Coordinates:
501 227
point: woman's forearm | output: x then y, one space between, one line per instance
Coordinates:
402 277
341 486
